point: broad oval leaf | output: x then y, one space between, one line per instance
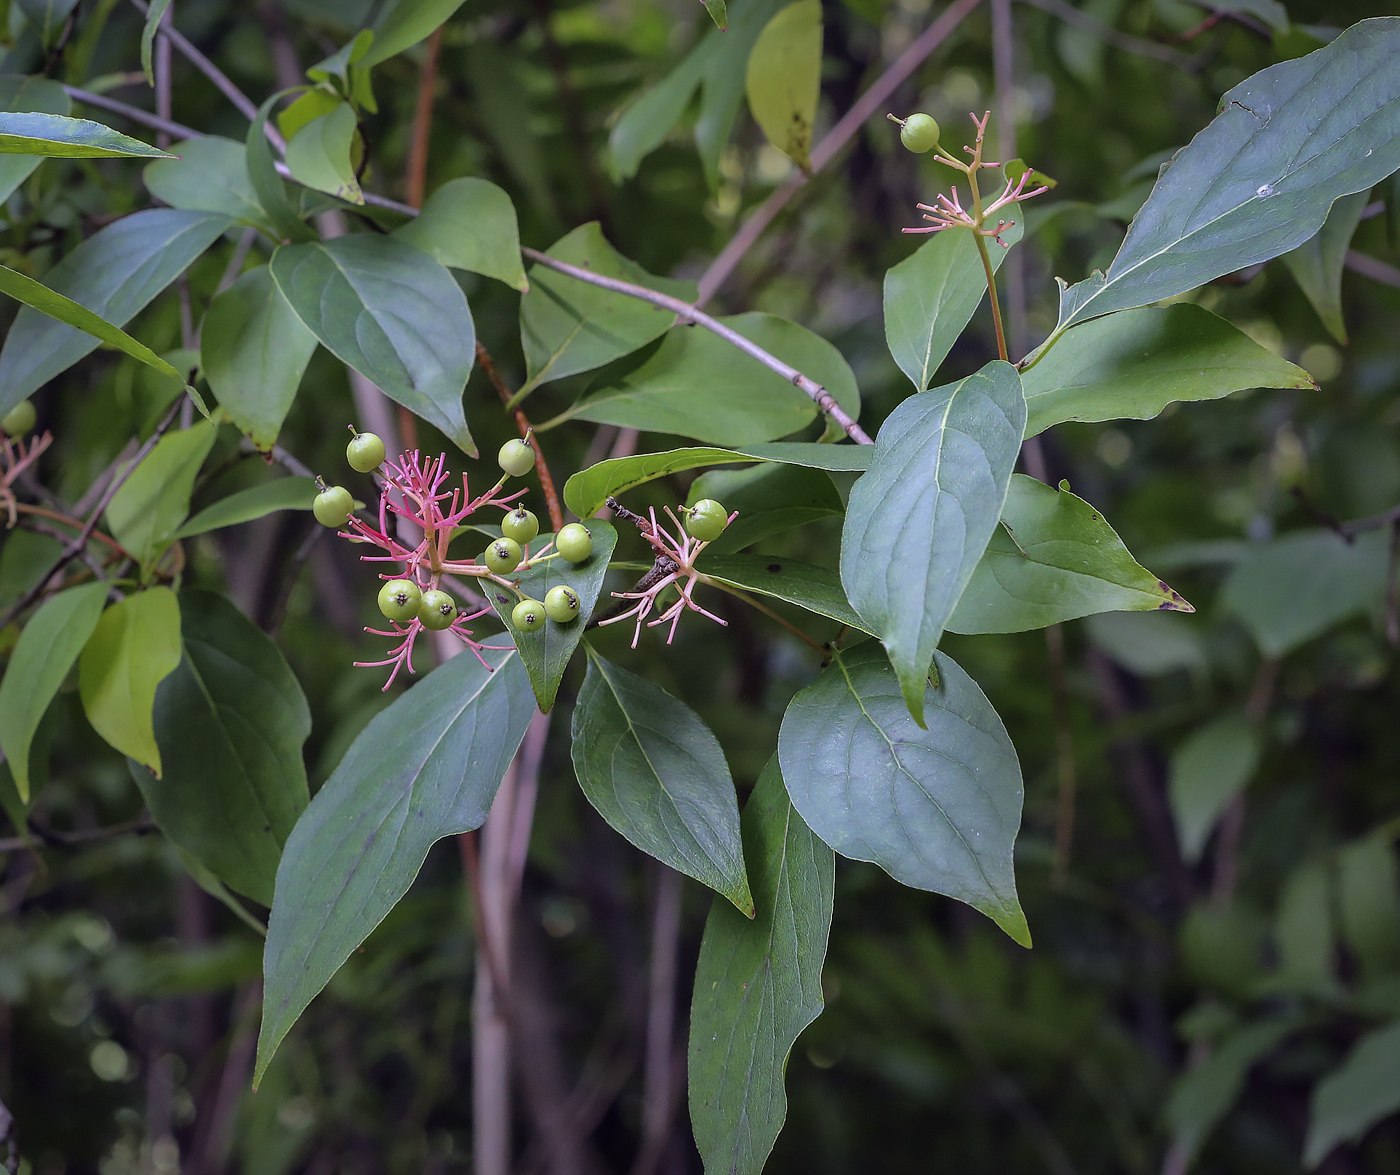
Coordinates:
1054 558
211 175
814 588
545 654
255 351
919 520
1133 364
1368 889
470 224
758 983
114 274
931 296
319 154
27 94
1209 770
1259 180
135 646
257 501
230 722
568 326
1356 1095
57 136
699 385
936 808
152 503
403 25
46 650
657 775
783 79
271 192
1317 264
393 314
425 768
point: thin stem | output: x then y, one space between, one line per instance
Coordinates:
1064 754
767 611
527 433
661 1016
1111 36
76 524
992 292
416 182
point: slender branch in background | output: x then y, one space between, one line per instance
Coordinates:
1377 271
416 183
160 68
165 126
1004 67
689 314
657 1100
1111 36
767 611
85 836
551 495
1392 591
76 524
1066 776
865 107
214 1136
7 1121
1231 831
235 263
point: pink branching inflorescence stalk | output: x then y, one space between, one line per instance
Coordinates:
675 564
15 458
415 491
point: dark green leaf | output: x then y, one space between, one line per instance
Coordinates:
211 175
1355 1096
769 498
114 274
268 187
393 314
155 13
425 768
337 67
1150 643
919 520
46 650
47 18
1303 932
1133 364
283 493
255 351
814 588
758 983
718 13
658 776
1054 558
319 155
470 224
936 808
150 506
1317 264
783 79
27 94
1208 770
546 653
1368 888
568 326
58 137
230 723
404 24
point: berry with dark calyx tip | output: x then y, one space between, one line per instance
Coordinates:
528 616
707 520
574 542
19 419
399 600
503 556
561 604
919 133
516 458
520 525
333 506
437 610
365 452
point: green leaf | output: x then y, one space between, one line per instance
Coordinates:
230 722
1317 264
1294 588
1368 886
426 767
470 224
154 14
931 296
1271 12
56 136
919 520
1258 181
783 79
568 326
698 385
1303 932
1149 643
1202 1096
46 650
1355 1096
403 25
270 190
255 350
393 314
937 808
758 983
211 175
1054 558
719 13
814 588
1133 364
150 506
283 493
588 489
657 775
318 155
337 67
307 107
47 17
135 646
545 653
1209 770
769 498
114 275
645 124
27 94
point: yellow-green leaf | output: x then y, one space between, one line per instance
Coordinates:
784 79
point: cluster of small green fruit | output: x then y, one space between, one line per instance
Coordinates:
18 420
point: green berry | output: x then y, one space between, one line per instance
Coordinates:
399 600
919 133
19 420
528 616
574 542
707 520
516 458
437 610
520 525
561 604
364 452
333 507
503 556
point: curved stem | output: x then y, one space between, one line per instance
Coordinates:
767 611
992 291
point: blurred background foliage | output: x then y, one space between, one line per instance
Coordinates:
1178 1008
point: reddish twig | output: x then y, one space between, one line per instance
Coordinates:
551 495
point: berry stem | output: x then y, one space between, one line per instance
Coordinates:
767 611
